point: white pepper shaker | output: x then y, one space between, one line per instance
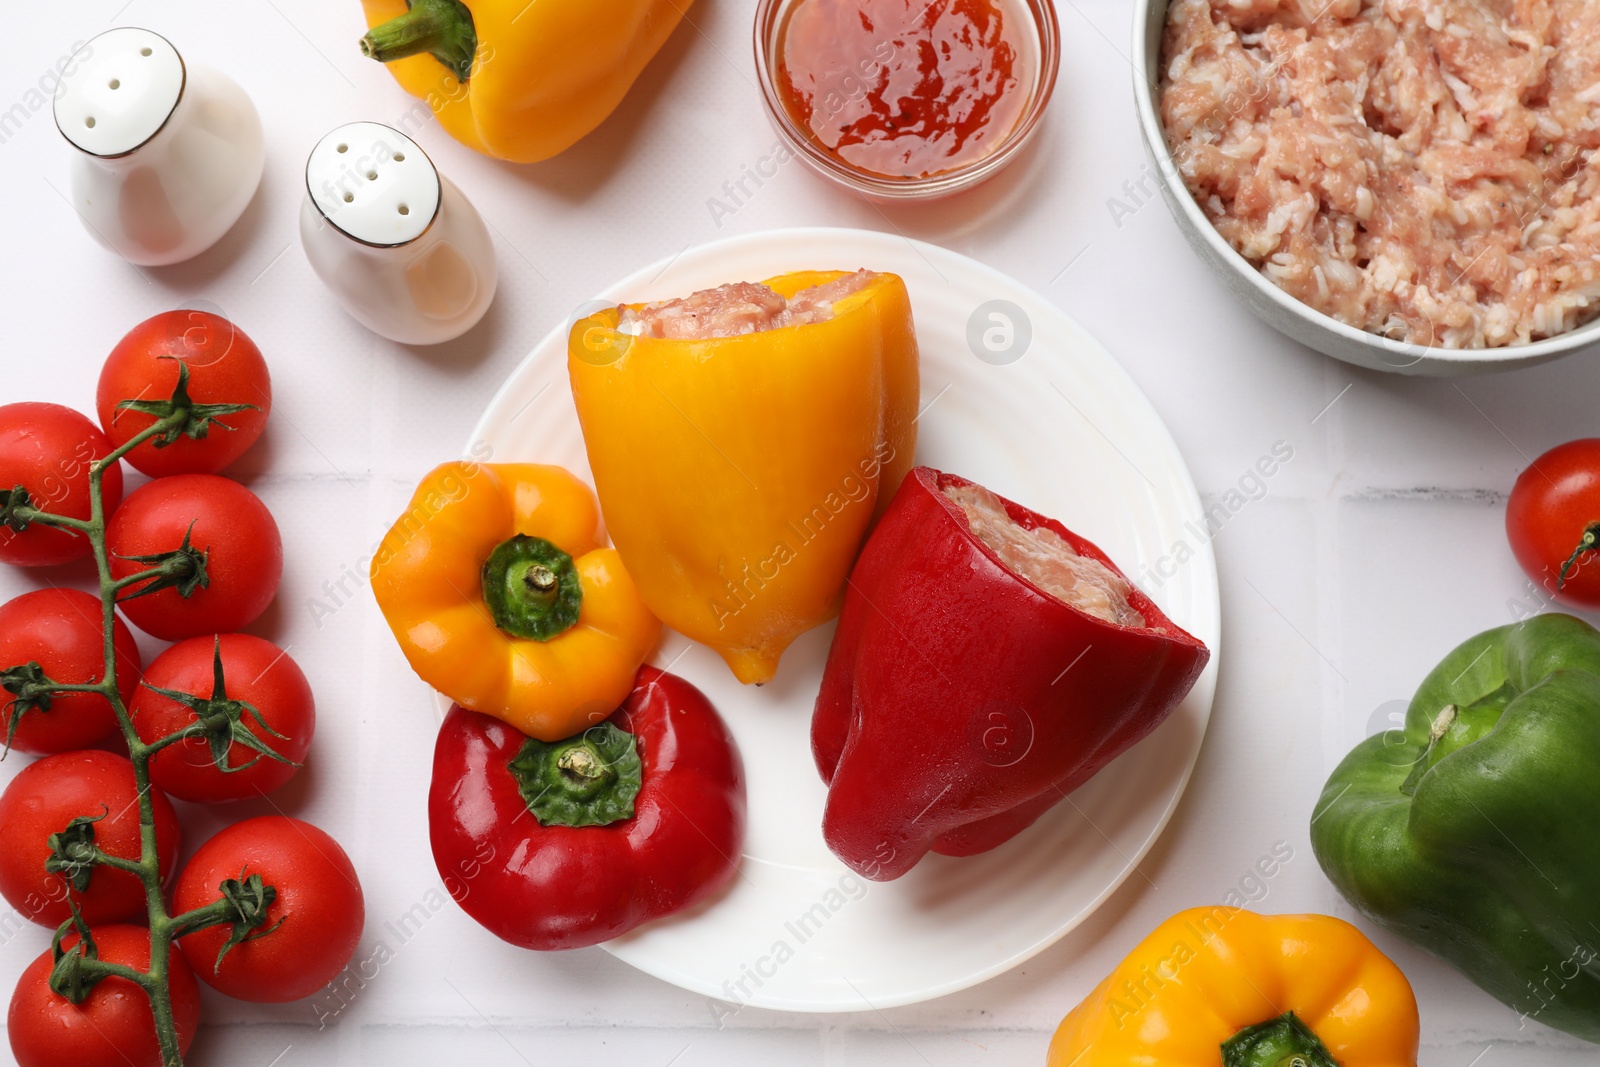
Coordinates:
168 153
400 246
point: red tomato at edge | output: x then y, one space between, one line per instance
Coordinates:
257 672
1552 505
47 449
113 1027
319 900
225 367
59 629
42 800
230 522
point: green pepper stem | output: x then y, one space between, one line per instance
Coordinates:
532 588
442 28
581 765
588 780
541 579
1281 1042
1443 721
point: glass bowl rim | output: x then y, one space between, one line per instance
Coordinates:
1046 29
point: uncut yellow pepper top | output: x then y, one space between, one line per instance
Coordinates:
544 73
1206 974
428 578
740 475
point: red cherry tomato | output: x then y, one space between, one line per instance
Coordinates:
230 524
225 367
257 673
1553 522
113 1027
48 795
47 449
319 901
59 630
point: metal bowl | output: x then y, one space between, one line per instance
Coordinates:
1271 304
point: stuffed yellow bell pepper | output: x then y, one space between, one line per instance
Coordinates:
495 584
1269 991
520 80
742 440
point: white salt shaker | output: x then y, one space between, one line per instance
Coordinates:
168 154
404 251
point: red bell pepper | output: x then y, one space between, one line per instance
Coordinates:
567 844
960 699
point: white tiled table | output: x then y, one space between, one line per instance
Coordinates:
1375 549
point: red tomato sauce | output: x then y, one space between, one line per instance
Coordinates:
903 88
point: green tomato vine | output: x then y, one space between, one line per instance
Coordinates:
242 903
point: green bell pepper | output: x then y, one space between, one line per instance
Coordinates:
1472 832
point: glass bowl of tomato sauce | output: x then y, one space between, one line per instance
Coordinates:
907 99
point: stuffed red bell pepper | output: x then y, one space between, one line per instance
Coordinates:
988 662
567 844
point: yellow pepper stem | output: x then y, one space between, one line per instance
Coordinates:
442 28
1281 1042
532 588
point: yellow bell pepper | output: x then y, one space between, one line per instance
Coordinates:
495 584
1270 991
739 475
521 80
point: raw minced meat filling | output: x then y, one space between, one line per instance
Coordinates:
738 308
1045 558
1421 169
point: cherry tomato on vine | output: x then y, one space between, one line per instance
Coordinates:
55 635
224 367
113 1026
222 520
56 791
46 449
1553 522
255 672
318 900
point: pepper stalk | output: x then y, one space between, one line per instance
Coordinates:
1284 1041
442 28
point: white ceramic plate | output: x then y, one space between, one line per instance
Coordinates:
1060 428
